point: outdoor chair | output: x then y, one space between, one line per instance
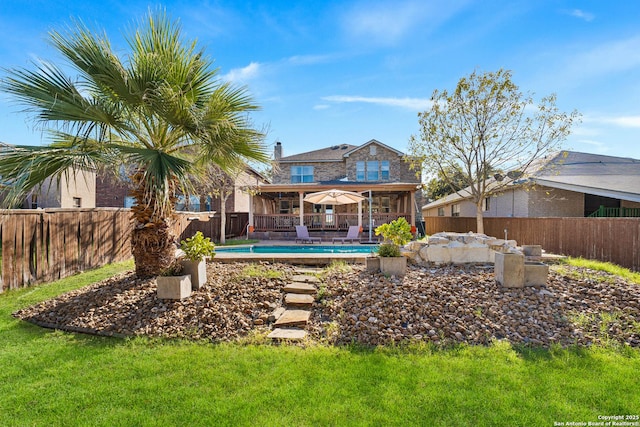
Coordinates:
302 234
352 235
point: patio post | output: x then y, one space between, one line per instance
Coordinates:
360 214
370 216
301 196
413 208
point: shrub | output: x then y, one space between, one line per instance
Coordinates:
197 247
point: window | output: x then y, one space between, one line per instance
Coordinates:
301 174
441 211
379 204
373 150
486 205
359 171
384 168
77 202
372 170
34 201
455 209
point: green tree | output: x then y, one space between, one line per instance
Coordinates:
160 109
487 124
448 181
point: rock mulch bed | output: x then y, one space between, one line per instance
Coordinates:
440 305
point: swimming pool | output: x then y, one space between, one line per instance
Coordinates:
299 249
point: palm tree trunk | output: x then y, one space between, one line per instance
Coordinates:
153 248
152 240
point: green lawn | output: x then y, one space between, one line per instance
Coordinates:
55 378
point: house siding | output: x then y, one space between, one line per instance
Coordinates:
398 169
521 202
335 170
553 202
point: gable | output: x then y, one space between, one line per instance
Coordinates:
377 145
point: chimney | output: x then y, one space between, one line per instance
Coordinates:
277 151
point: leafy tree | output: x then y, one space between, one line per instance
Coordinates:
160 109
487 124
447 181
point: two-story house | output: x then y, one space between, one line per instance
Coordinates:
372 169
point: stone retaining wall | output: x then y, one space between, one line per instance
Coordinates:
458 248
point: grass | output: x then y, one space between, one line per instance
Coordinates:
259 270
607 267
56 378
236 242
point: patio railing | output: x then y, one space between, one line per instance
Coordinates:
320 221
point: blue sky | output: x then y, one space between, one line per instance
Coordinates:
333 72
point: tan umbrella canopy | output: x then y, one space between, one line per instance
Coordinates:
333 197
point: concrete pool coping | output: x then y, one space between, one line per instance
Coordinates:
291 258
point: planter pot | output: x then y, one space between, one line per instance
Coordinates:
198 272
393 266
174 287
373 264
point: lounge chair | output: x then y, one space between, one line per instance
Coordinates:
352 235
302 234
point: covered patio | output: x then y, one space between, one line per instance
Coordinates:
281 207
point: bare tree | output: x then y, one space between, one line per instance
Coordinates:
217 184
487 124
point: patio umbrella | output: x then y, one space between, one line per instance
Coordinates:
333 197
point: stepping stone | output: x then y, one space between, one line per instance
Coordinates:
298 300
300 288
294 318
290 334
275 314
305 278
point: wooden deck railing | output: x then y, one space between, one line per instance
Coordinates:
320 221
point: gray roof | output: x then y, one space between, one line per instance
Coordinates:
616 177
333 153
608 176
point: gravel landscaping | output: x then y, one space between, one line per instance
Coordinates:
441 305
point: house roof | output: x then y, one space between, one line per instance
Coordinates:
608 176
329 154
335 153
373 141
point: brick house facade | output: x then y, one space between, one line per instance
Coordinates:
372 169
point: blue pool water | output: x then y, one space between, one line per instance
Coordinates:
301 249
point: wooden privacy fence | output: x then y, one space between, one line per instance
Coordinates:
44 245
615 240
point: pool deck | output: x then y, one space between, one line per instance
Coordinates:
302 259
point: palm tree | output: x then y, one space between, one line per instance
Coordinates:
161 110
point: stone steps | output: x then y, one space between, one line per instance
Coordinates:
299 296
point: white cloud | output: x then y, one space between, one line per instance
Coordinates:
249 72
625 121
582 15
621 121
418 104
309 59
606 58
321 107
387 23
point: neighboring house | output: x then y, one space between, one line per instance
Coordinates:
114 192
568 184
371 168
73 190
